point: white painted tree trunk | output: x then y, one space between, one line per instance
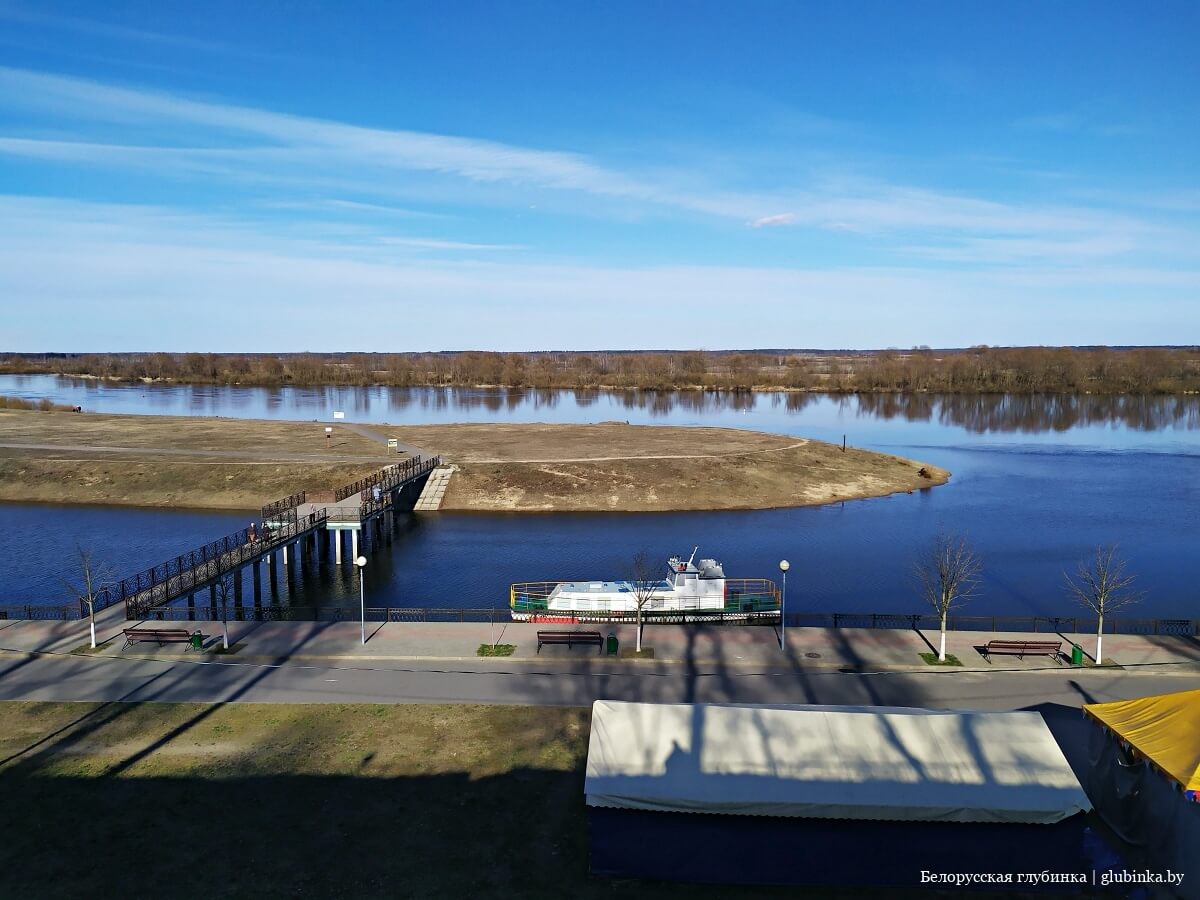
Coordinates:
92 628
942 646
224 635
1100 641
639 631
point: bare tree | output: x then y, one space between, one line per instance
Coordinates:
223 587
94 579
644 582
947 576
1103 586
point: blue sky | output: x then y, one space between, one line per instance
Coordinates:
229 176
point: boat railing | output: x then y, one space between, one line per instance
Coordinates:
528 596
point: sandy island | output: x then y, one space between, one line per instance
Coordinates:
219 463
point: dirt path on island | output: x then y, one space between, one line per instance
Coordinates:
614 467
591 459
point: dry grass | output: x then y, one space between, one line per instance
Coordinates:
167 461
42 405
258 436
544 468
241 464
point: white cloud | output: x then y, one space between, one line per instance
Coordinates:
436 244
777 219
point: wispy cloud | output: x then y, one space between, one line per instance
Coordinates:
264 159
777 219
240 142
79 273
435 244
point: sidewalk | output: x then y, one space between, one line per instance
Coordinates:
854 648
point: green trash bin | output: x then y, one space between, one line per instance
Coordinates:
1076 655
612 643
197 640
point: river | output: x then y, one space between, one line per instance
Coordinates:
1038 482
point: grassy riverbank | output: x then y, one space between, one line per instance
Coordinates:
273 800
202 463
241 464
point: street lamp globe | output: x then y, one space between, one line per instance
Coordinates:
361 561
784 565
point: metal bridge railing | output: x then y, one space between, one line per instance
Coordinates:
166 581
283 511
391 477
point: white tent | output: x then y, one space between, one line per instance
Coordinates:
840 762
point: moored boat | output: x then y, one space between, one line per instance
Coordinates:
689 591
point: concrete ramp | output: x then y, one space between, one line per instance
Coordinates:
435 489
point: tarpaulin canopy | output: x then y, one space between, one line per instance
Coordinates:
1164 728
839 762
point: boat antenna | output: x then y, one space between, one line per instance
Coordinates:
693 556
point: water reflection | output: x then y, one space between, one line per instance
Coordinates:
1037 413
974 413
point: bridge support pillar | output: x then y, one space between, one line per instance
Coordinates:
354 544
237 586
257 583
337 547
271 568
285 554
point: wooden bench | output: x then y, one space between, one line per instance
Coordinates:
570 638
1023 648
159 635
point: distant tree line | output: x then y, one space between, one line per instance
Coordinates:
1022 370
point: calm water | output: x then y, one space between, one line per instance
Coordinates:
1037 483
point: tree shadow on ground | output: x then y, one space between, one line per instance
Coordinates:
520 834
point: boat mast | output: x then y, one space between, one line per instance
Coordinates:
693 556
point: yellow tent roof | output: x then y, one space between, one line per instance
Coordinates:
1164 728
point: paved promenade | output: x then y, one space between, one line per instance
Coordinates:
708 645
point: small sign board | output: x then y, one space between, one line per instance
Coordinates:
328 430
338 414
393 443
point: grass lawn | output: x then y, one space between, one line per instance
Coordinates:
324 801
495 649
131 800
932 659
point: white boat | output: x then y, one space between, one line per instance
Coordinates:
689 590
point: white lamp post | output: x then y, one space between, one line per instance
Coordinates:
784 565
361 562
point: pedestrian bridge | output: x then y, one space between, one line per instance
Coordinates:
360 515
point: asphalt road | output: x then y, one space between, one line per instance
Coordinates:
25 676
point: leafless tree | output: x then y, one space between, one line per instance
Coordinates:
223 587
94 578
1103 586
947 576
644 581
